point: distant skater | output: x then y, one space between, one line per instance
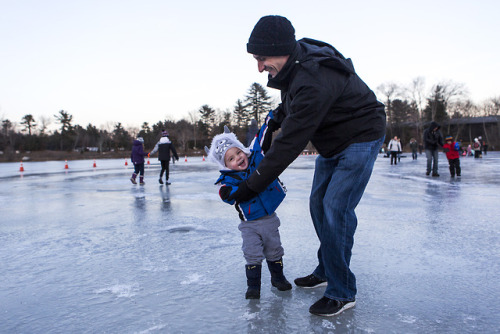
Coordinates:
432 140
164 146
137 158
414 148
259 222
484 145
476 146
394 147
451 148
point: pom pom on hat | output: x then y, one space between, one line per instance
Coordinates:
220 144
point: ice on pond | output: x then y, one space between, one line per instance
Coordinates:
83 250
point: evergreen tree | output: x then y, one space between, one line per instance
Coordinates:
29 123
65 137
207 119
436 106
121 137
258 102
241 115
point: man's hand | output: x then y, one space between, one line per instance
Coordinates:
224 192
243 193
268 137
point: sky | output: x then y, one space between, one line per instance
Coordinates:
109 61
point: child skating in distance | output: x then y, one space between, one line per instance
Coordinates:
259 222
452 149
137 158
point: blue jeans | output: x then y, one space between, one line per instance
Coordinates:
339 183
432 155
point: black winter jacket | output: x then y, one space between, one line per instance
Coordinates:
323 101
164 146
433 139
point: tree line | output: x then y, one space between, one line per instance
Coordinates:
190 133
409 108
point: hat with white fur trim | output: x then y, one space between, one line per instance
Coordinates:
220 144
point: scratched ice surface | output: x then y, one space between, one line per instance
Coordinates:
83 250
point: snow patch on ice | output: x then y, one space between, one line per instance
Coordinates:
249 316
409 319
327 324
152 329
120 290
196 279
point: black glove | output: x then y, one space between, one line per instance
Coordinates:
243 193
268 138
224 192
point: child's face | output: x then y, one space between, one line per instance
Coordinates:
236 159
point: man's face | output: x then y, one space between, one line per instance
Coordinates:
271 64
236 159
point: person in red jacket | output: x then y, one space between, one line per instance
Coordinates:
451 149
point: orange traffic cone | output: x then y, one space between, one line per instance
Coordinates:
66 164
126 163
95 164
203 158
185 158
148 161
21 169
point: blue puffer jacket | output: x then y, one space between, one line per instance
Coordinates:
267 201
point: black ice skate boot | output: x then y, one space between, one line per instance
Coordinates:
278 280
253 272
132 179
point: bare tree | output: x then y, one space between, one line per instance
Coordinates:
390 90
462 109
451 91
193 118
44 123
492 106
416 93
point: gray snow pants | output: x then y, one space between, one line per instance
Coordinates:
261 239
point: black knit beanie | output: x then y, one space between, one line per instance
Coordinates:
273 35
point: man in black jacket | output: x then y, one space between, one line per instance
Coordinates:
325 102
433 139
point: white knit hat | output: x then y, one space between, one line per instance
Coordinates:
220 144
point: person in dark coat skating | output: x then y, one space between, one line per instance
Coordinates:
164 146
137 158
433 139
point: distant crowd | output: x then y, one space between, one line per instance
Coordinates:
433 140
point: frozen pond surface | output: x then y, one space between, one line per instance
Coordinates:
84 251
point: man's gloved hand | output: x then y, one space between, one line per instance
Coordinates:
224 192
268 137
243 193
